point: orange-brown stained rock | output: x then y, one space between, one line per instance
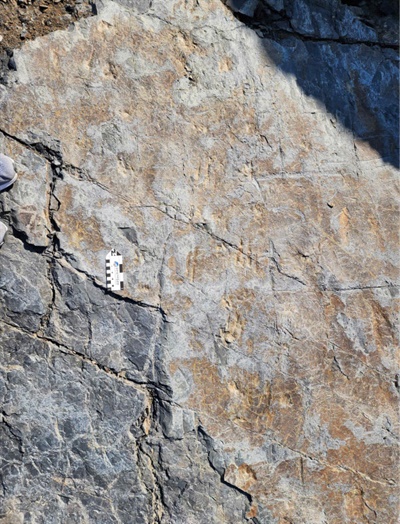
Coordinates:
243 476
243 401
269 243
252 512
25 21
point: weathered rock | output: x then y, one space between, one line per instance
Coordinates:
27 202
25 292
69 442
248 371
346 21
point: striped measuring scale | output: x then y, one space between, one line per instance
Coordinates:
114 271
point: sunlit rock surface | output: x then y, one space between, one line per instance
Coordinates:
248 371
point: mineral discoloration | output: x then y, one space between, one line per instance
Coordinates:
254 346
27 19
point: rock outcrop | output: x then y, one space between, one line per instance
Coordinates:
246 170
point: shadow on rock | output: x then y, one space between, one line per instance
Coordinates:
341 52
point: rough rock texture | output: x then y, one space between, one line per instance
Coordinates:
22 20
248 372
27 19
348 78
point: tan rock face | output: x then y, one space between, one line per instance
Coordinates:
26 20
262 228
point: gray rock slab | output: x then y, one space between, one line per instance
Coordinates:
247 175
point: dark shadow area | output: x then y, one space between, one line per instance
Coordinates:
343 53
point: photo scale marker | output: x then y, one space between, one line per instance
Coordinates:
114 271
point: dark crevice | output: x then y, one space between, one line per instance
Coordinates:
110 293
54 250
362 288
52 156
275 260
345 57
263 16
157 488
23 237
337 366
265 31
151 387
53 253
204 227
208 443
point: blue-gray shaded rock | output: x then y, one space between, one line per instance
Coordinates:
25 291
245 168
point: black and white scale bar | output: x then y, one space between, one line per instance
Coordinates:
114 271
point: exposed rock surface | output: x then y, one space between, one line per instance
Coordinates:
27 19
248 372
22 20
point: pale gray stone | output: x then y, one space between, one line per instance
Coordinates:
243 161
